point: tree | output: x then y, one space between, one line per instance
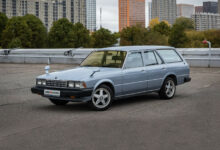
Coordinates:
163 28
154 22
213 36
3 22
185 22
15 43
103 38
38 31
195 39
134 35
59 34
178 36
79 36
155 38
137 35
16 28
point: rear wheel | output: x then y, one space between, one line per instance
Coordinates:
168 89
101 98
58 102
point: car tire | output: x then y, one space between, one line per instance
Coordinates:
58 102
102 98
168 89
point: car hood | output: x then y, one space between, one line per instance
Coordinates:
77 74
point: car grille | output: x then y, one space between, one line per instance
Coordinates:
55 83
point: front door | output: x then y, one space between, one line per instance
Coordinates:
134 74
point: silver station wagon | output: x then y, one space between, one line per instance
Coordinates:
117 72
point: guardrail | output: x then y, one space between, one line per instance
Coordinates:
196 57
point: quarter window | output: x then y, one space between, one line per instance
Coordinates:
149 58
134 60
158 59
169 56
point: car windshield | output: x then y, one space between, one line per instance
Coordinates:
111 59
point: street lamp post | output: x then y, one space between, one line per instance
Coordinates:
210 47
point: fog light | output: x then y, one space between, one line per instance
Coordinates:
72 97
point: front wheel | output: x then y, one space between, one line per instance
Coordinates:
101 98
168 89
58 102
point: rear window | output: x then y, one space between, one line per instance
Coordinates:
169 56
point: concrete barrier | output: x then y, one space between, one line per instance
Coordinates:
196 57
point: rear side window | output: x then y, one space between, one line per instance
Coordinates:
149 58
169 56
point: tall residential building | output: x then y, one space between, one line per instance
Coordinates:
206 21
199 9
164 10
185 10
131 12
210 7
219 6
149 10
49 11
91 15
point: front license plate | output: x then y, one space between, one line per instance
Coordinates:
52 93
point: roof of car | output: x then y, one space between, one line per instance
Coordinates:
134 48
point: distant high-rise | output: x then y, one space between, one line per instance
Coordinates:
198 9
91 15
149 10
219 6
210 7
164 10
51 10
185 10
206 21
131 12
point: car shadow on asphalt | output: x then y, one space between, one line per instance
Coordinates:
121 103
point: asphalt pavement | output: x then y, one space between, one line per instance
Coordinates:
190 121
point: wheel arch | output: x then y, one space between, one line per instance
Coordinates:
107 82
173 76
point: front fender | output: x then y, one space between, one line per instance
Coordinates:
103 81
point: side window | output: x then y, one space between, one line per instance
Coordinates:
150 58
134 60
169 56
158 59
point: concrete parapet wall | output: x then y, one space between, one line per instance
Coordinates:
196 57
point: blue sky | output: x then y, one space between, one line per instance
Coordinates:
110 12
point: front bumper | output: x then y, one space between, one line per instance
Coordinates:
65 94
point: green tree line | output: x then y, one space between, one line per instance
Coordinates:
29 32
181 34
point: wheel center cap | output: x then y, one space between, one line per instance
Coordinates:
101 98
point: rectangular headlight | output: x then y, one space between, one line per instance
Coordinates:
41 82
80 85
71 84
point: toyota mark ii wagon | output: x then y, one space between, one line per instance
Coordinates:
117 72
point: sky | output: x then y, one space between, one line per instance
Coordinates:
110 12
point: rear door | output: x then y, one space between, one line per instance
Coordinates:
155 70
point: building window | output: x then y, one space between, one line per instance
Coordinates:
46 14
24 7
72 11
4 6
64 9
55 11
13 7
37 9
